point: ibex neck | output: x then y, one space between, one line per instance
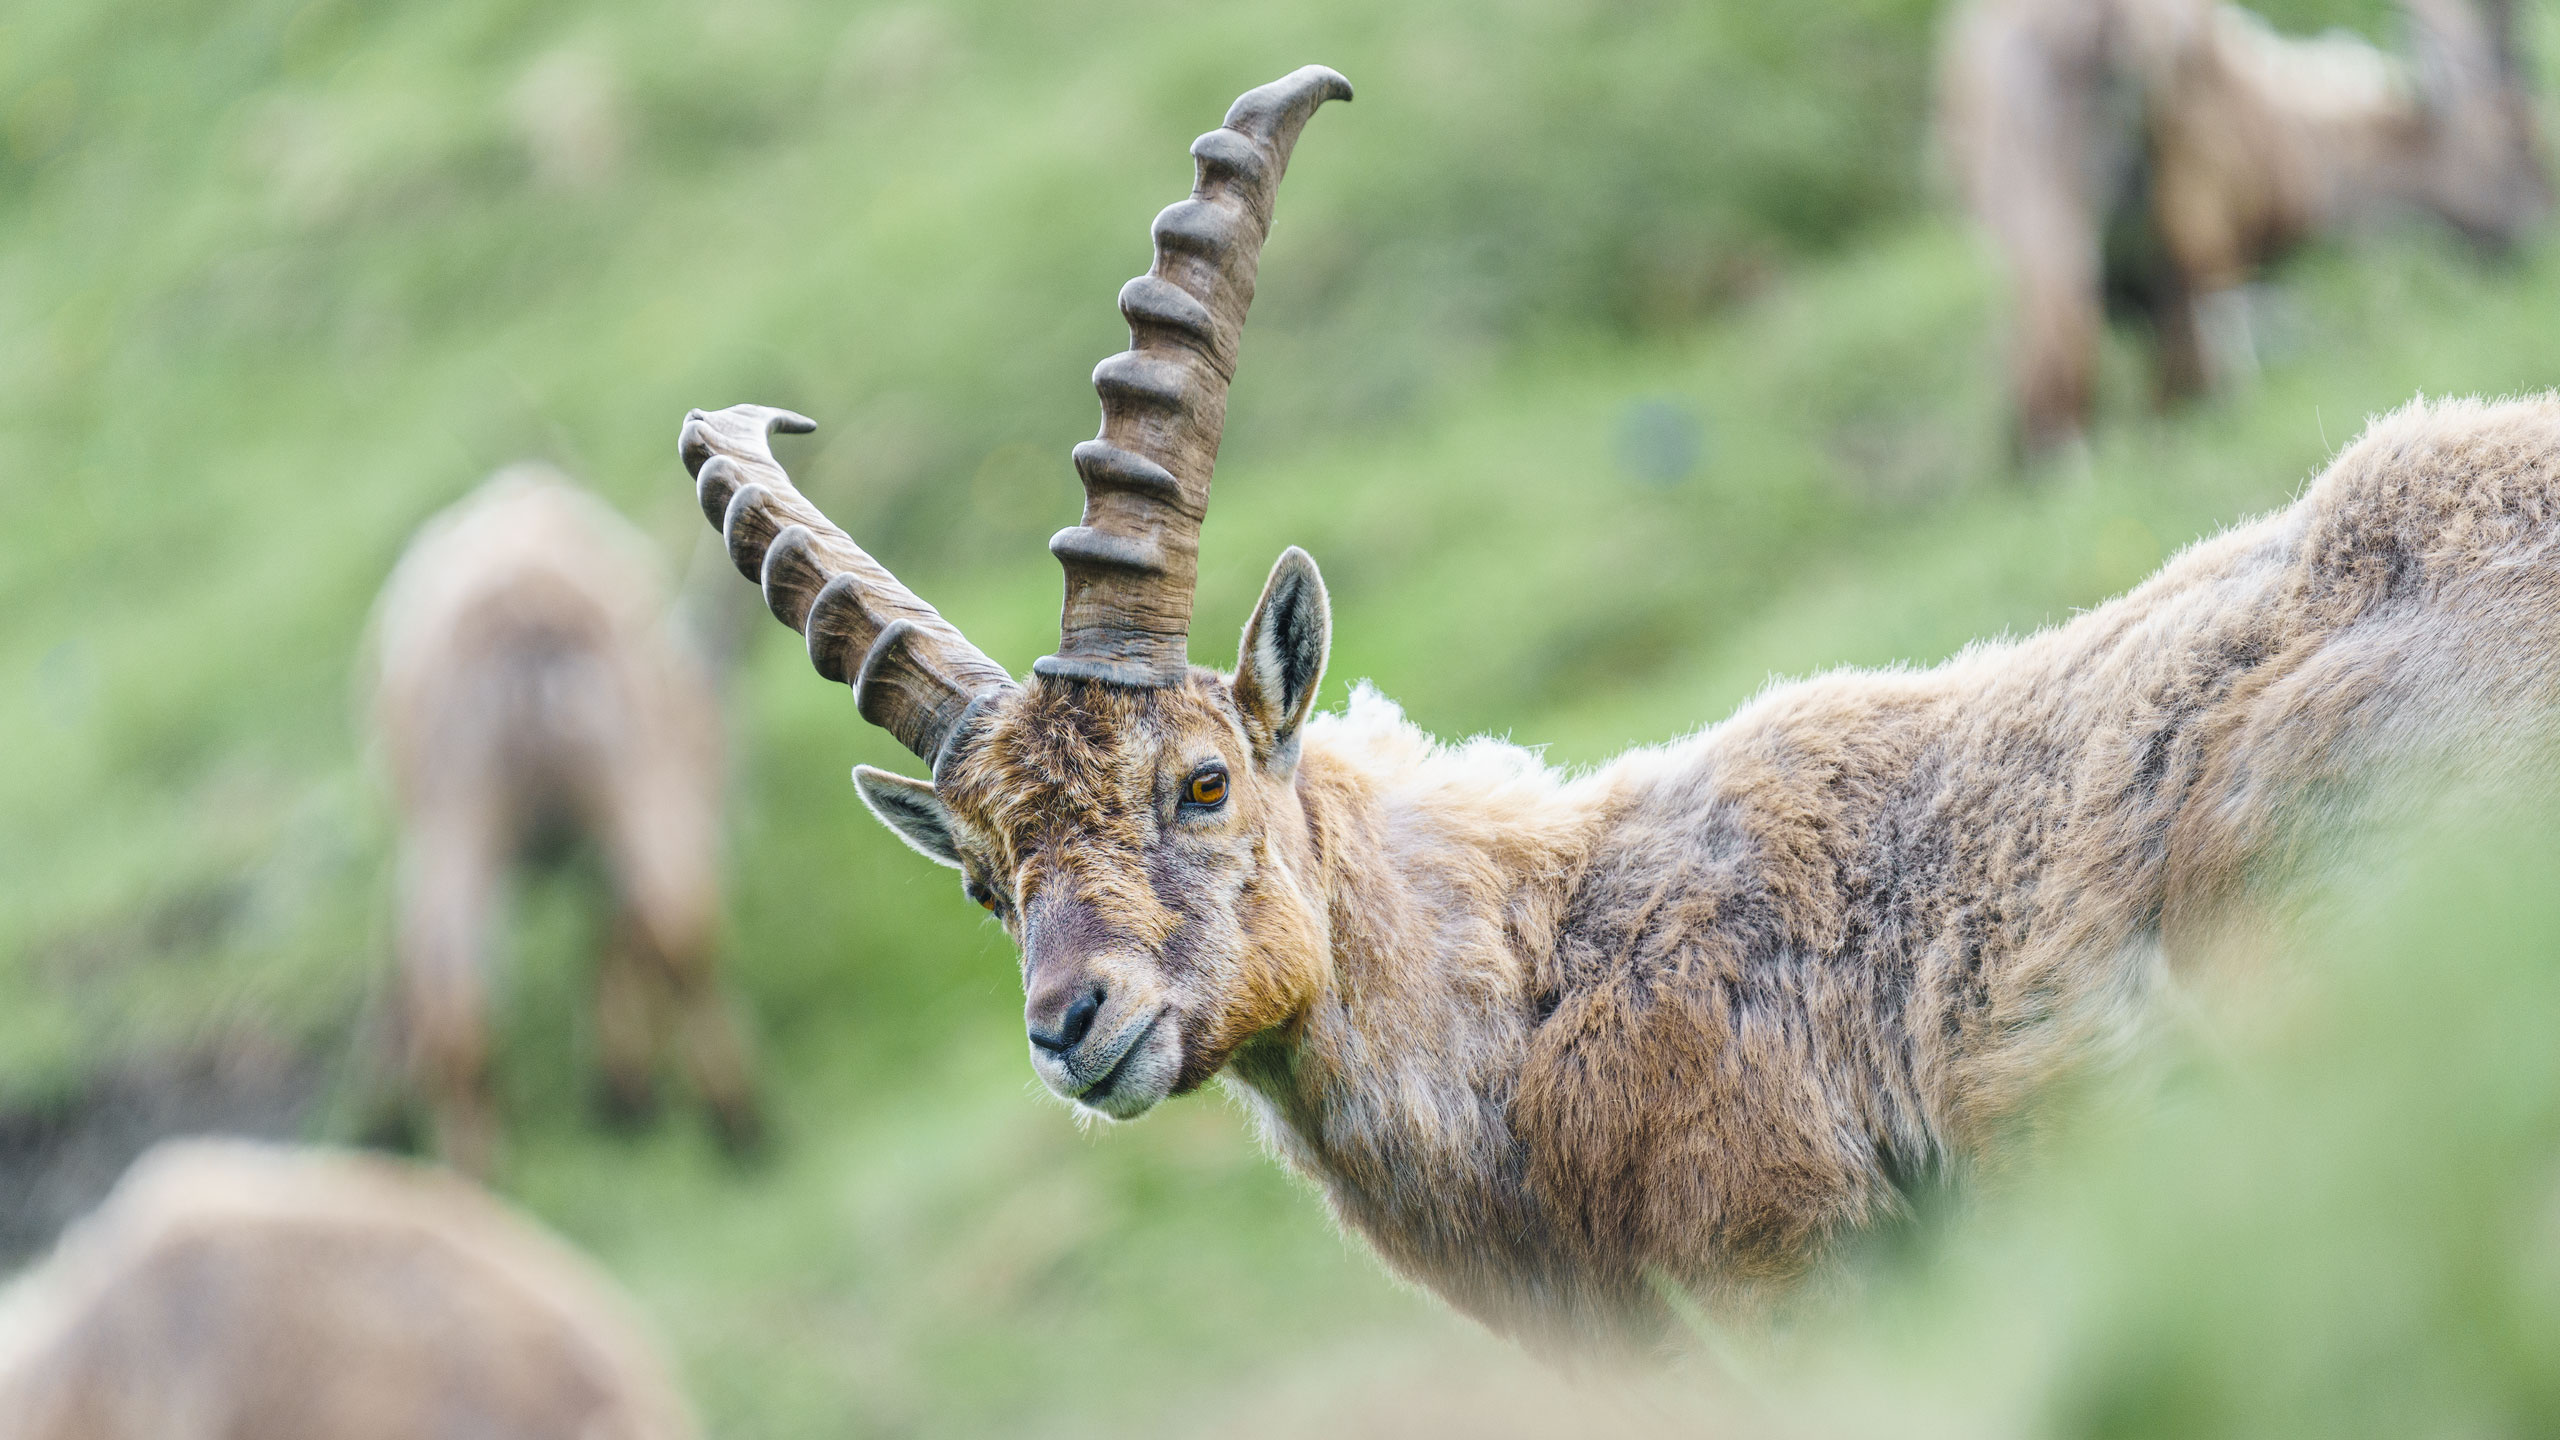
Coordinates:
1443 873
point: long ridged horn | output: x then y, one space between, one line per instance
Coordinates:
1131 566
912 674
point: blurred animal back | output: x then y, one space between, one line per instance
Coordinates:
233 1289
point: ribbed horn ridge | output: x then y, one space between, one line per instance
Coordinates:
1132 564
912 674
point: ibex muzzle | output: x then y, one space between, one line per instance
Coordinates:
1095 1012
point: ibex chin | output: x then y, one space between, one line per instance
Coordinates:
230 1289
531 693
1548 1040
2155 153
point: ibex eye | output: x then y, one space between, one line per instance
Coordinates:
985 897
1208 787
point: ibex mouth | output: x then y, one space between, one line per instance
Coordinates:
1123 1077
1104 1063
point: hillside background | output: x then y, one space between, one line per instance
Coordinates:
1611 356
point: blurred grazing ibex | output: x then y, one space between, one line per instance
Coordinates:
2154 153
229 1289
1697 1013
530 693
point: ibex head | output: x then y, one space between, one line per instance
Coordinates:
1129 817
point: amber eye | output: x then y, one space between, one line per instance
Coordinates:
985 896
1209 787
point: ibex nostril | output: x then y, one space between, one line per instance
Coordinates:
1072 1026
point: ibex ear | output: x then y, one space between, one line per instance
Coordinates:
912 809
1283 658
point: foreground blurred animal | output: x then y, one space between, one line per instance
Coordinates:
1691 1017
2155 153
229 1289
530 693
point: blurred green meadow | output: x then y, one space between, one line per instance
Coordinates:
1612 357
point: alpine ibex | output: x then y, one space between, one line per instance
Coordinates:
232 1289
530 693
2154 153
1699 1012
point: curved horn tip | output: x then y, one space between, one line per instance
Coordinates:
771 419
1293 97
741 429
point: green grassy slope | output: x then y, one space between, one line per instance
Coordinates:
1608 357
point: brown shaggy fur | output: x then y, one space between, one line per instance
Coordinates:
1703 1011
2155 153
229 1289
530 693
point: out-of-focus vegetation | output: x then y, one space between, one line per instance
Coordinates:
1610 356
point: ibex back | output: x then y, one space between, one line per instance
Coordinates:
531 694
1704 1010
